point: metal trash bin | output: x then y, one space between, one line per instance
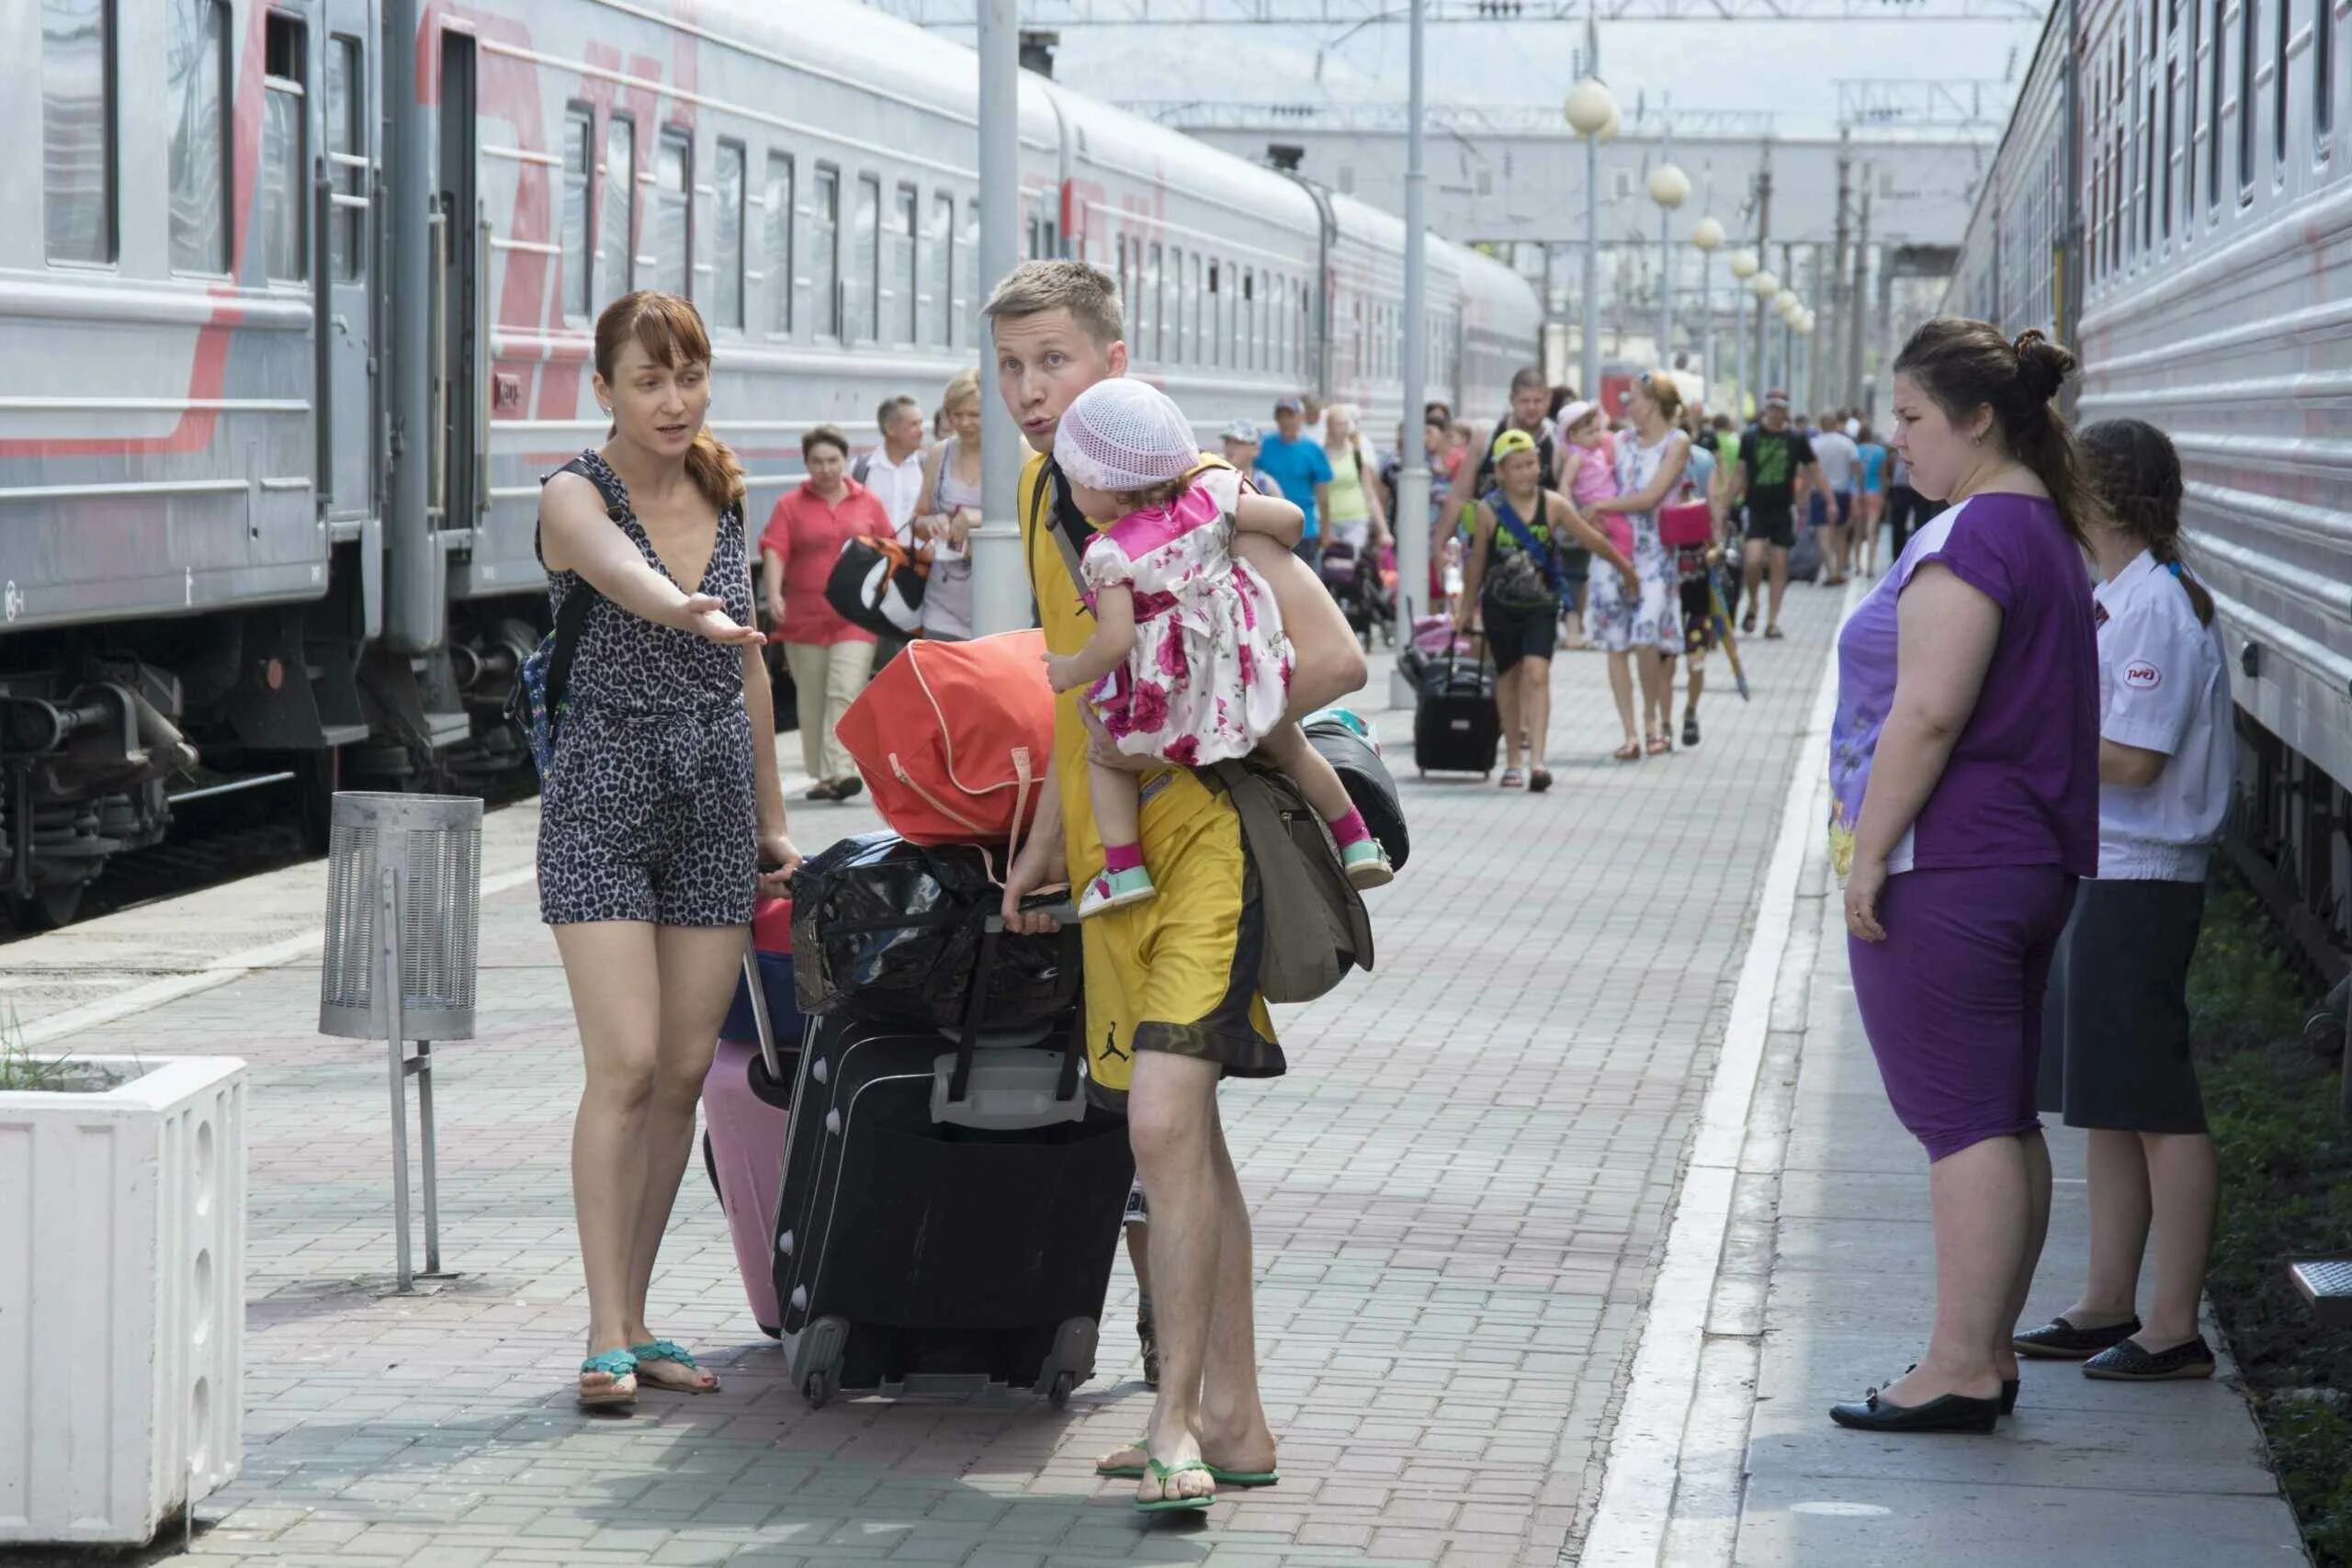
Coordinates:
403 922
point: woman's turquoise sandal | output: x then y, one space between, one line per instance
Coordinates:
1168 1503
615 1365
656 1350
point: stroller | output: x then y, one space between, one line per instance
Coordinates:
1364 589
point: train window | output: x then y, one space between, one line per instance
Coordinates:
199 64
673 189
778 208
616 213
863 281
285 160
1155 308
906 305
2213 112
2148 171
1251 358
579 167
77 126
824 250
969 244
1212 319
2279 88
2188 143
727 239
2323 72
940 276
2246 22
2172 95
1193 302
346 121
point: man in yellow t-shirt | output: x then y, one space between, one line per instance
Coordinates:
1171 985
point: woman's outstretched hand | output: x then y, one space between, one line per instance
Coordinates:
704 615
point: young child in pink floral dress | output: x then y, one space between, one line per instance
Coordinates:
1188 663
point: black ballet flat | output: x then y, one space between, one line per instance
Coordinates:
2126 1361
2059 1340
1945 1413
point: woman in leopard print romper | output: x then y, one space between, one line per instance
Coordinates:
661 800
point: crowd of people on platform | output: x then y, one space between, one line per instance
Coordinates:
2027 772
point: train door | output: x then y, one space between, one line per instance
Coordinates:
343 207
458 307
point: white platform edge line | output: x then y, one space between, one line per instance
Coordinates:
1644 1450
219 971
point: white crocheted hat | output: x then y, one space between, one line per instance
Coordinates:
1124 434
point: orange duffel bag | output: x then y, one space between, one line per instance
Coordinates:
954 737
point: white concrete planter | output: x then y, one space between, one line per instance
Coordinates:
122 1262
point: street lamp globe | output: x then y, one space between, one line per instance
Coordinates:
1607 133
1803 324
1669 187
1786 300
1764 285
1591 108
1708 235
1744 264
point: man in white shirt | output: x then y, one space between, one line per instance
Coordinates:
893 472
1841 469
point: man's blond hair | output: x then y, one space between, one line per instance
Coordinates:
1083 289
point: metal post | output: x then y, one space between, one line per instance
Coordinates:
422 1065
1665 259
1411 524
1835 296
415 613
1739 332
1860 298
1001 599
2068 313
388 980
1764 258
1591 387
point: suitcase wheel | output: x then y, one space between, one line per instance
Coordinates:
818 1389
1059 1396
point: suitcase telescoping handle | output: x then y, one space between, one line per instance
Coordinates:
975 1005
760 1025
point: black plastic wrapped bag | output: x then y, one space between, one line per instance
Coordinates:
891 932
1370 786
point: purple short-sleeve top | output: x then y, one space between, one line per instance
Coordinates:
2022 785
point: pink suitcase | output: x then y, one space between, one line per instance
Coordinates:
746 1101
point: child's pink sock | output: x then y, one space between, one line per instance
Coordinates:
1121 857
1349 829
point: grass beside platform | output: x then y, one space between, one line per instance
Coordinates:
2286 1168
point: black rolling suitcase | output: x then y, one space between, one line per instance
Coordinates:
1457 726
951 1200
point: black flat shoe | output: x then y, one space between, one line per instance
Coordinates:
2127 1362
1945 1413
2059 1340
2009 1396
1689 730
844 788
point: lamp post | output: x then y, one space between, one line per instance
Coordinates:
1000 583
1591 111
1744 266
1708 236
1765 286
1670 188
1413 540
1784 305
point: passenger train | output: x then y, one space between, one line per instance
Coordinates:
2211 296
295 312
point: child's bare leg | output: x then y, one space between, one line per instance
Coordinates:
1287 748
1117 799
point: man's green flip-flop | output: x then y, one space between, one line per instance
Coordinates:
1245 1479
1164 1473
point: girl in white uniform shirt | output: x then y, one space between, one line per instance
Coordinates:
2115 1032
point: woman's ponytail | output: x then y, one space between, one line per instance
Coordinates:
714 471
2134 466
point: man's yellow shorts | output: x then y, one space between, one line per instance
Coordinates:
1179 973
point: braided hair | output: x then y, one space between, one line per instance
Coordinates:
2133 465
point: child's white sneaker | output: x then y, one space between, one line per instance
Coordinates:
1367 864
1116 890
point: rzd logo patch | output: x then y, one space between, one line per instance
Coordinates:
2143 676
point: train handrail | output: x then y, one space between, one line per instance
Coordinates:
322 350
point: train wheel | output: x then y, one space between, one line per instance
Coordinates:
50 907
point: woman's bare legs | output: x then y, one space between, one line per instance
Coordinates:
1657 692
1621 687
1981 1200
2140 1181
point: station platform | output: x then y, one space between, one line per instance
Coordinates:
1539 1284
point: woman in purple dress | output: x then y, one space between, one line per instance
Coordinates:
1964 789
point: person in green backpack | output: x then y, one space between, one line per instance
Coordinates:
1512 585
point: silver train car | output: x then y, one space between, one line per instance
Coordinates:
297 310
2211 296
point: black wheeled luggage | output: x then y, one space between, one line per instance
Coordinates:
950 1208
1457 726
